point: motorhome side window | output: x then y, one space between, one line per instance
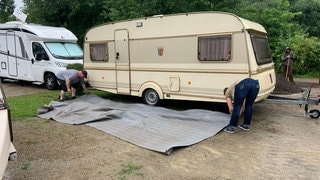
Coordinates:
99 52
261 49
38 51
214 48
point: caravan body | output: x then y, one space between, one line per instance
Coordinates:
185 56
35 53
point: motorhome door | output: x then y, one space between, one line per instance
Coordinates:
12 57
122 61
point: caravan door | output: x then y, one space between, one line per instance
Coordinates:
122 61
12 57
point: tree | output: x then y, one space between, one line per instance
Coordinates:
6 10
308 18
77 15
279 22
47 12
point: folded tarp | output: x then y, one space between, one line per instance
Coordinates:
155 128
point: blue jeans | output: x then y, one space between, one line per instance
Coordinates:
247 90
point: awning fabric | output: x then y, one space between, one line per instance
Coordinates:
155 128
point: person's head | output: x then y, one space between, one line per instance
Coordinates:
83 74
288 49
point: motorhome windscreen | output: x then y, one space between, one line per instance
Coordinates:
64 50
261 49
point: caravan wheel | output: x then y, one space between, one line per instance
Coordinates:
151 97
50 81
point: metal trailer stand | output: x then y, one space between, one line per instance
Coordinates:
305 100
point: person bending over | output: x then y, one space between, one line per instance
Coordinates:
69 81
243 94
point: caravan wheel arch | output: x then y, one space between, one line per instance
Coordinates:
149 89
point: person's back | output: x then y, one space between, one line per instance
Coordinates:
70 74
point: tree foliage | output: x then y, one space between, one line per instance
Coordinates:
291 23
6 10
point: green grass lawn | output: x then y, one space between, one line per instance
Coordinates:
26 106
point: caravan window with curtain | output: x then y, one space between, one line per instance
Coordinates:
214 48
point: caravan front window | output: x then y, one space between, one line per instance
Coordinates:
65 50
261 49
214 48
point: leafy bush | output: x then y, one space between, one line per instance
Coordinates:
76 66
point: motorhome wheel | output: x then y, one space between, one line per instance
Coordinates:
50 81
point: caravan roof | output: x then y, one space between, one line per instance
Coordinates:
46 32
177 25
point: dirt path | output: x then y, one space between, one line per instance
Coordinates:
282 144
14 88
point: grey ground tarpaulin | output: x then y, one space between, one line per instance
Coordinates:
155 128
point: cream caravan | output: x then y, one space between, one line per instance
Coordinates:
35 53
190 56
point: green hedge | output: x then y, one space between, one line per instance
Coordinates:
76 66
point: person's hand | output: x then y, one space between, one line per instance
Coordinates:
230 110
288 56
69 90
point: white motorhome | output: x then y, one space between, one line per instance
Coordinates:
7 150
35 53
190 56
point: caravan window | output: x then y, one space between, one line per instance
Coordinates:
261 49
214 48
99 52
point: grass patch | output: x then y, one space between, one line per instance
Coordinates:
130 169
30 142
26 106
26 164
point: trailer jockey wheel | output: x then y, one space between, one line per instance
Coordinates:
314 113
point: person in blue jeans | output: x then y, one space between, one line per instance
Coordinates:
243 94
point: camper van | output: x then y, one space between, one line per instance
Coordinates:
35 53
191 56
7 150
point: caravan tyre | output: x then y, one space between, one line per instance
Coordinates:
50 81
151 97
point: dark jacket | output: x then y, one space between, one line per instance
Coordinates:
287 58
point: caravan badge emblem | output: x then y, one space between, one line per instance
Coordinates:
160 51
